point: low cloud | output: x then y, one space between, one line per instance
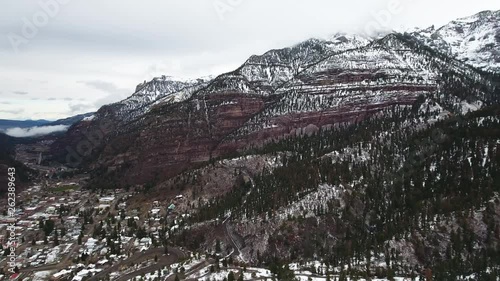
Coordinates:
20 93
35 131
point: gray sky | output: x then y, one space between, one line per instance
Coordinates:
64 57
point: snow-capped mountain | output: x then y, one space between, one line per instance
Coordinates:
263 74
279 94
383 138
315 83
474 39
164 89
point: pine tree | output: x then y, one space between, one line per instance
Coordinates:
217 246
56 238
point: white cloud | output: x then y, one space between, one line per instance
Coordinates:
35 131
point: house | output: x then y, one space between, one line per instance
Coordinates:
146 241
71 219
103 206
102 262
106 200
30 210
155 212
61 275
25 223
51 210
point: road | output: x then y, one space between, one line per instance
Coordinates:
233 241
161 264
175 255
238 245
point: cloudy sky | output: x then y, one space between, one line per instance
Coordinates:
64 57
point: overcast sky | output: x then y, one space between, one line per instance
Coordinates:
64 57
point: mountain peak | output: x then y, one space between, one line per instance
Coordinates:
477 19
481 15
474 39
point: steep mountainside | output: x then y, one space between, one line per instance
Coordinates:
116 117
280 94
7 145
388 196
71 120
474 39
378 158
161 89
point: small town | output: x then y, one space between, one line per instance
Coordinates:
62 230
62 237
59 232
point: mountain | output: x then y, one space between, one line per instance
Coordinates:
375 157
7 146
119 116
6 124
71 120
281 93
163 89
40 127
474 39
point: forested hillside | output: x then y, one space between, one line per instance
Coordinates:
7 146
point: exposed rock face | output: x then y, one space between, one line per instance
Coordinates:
90 134
474 39
184 134
168 126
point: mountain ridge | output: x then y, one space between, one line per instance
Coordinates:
249 94
475 39
377 160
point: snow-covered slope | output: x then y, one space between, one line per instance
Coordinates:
352 82
474 39
313 84
263 74
163 89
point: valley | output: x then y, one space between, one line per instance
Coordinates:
341 159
